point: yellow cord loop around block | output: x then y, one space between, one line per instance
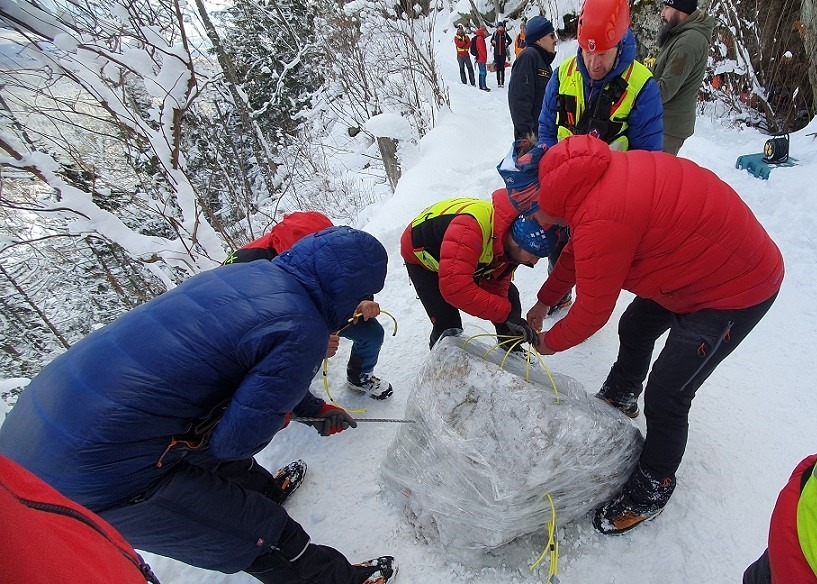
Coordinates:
511 342
552 547
349 323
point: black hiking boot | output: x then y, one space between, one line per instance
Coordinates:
364 382
286 481
642 498
625 401
381 570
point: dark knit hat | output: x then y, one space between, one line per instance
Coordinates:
687 6
538 27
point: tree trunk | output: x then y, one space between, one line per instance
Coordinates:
388 151
265 163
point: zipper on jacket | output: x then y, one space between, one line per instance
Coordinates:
142 566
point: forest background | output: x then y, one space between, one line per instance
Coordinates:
141 141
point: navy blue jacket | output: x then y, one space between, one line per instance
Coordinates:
646 120
240 342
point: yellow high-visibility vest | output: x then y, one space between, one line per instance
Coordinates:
571 102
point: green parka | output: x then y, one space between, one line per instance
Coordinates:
680 68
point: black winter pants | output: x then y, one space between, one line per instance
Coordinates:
499 64
444 316
697 343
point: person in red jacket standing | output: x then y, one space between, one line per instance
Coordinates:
700 265
461 254
792 553
463 44
482 56
46 537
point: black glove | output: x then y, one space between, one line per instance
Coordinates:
519 327
332 420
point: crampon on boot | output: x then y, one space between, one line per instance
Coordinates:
381 570
286 480
642 498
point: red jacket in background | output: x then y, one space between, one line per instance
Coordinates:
648 222
786 560
460 250
482 50
290 230
46 538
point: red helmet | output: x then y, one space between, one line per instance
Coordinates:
602 24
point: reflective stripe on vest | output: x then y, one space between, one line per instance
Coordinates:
807 521
571 89
482 211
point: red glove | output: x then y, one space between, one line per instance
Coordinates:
333 420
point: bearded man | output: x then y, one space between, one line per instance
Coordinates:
683 41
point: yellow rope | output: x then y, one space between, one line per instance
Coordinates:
514 342
394 333
552 546
329 395
349 322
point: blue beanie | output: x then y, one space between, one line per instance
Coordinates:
532 237
521 175
536 28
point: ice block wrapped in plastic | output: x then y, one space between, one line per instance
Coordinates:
488 446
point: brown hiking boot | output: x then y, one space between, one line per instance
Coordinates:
642 498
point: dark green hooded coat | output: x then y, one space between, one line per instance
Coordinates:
680 68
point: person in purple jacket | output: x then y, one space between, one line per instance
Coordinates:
152 421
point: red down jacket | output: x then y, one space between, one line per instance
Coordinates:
45 537
460 250
792 528
659 226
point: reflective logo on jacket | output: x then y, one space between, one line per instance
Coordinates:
606 115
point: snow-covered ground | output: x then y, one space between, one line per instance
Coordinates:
751 422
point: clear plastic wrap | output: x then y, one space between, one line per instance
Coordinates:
487 447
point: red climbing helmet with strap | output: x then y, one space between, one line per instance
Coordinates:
602 24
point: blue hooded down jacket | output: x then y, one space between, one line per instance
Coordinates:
239 344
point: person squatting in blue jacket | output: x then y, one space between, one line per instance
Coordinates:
152 422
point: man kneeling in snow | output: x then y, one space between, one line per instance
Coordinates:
152 422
